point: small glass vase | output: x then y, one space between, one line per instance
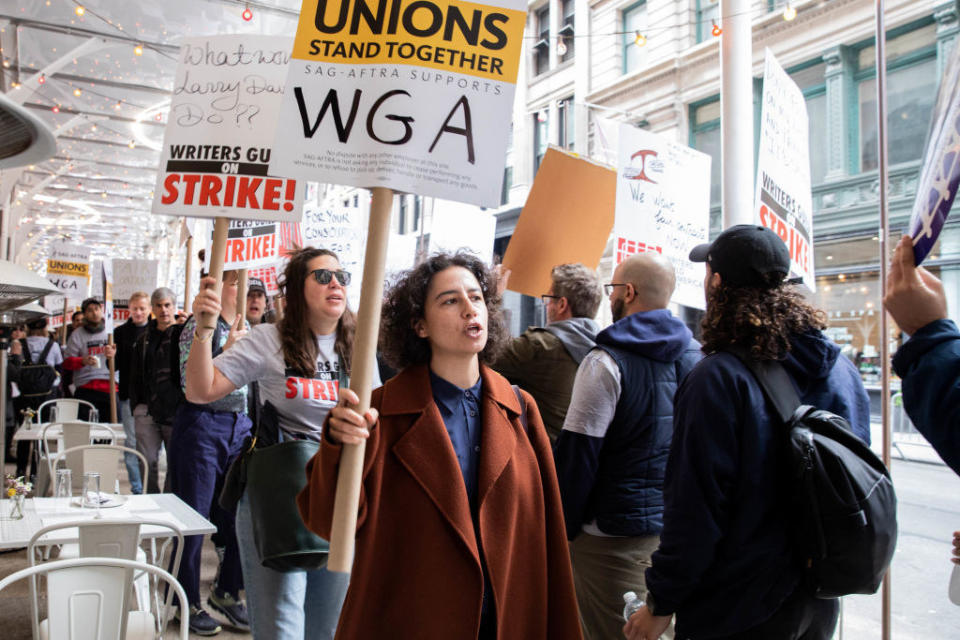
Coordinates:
16 507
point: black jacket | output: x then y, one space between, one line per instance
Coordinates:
124 337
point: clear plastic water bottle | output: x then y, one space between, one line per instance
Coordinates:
631 604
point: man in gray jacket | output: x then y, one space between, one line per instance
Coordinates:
544 360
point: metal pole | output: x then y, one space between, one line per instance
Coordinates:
736 105
884 234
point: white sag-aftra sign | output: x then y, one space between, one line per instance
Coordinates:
414 95
68 269
783 201
663 205
219 135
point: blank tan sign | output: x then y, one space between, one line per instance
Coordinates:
567 218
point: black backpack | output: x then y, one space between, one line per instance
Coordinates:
36 378
842 496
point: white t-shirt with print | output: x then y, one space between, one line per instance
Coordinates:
302 403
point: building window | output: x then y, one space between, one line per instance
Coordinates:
634 22
540 137
566 34
507 185
708 12
402 217
541 50
417 212
566 123
705 137
911 91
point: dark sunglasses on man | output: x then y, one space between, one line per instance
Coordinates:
324 276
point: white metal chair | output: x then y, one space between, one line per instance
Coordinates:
66 410
72 434
89 598
102 458
110 539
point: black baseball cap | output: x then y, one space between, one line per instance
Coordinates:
256 284
88 302
744 255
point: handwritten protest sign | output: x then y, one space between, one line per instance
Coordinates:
783 200
130 276
341 229
68 269
415 95
940 177
567 218
663 205
217 143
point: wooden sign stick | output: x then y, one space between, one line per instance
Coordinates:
189 276
112 365
217 251
242 296
63 335
347 501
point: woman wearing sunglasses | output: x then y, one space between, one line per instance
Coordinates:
460 531
299 365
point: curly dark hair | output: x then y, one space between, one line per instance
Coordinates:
404 304
297 339
759 318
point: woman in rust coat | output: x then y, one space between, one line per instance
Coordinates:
460 531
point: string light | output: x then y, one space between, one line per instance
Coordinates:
132 144
138 50
561 47
118 105
789 13
247 14
43 78
80 10
56 108
716 31
77 92
640 40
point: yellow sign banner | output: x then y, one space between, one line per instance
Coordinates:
473 39
65 268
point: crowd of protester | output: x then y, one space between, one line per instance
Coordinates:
511 487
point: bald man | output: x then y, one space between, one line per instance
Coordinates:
612 452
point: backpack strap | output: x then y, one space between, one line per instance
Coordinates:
774 381
523 409
27 360
46 351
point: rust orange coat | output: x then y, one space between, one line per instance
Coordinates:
416 571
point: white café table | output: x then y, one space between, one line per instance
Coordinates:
98 431
42 512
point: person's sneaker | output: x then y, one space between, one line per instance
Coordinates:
201 623
232 609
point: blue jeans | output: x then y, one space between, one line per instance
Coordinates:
202 446
131 461
287 605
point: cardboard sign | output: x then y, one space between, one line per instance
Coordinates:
663 205
68 269
783 201
250 243
567 218
940 176
217 142
130 276
414 95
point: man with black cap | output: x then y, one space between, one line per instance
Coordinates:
86 355
257 303
726 565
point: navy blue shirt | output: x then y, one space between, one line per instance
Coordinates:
460 410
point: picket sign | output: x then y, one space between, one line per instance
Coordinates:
350 474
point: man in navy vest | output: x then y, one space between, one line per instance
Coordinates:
612 453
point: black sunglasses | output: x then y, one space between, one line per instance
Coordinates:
324 276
